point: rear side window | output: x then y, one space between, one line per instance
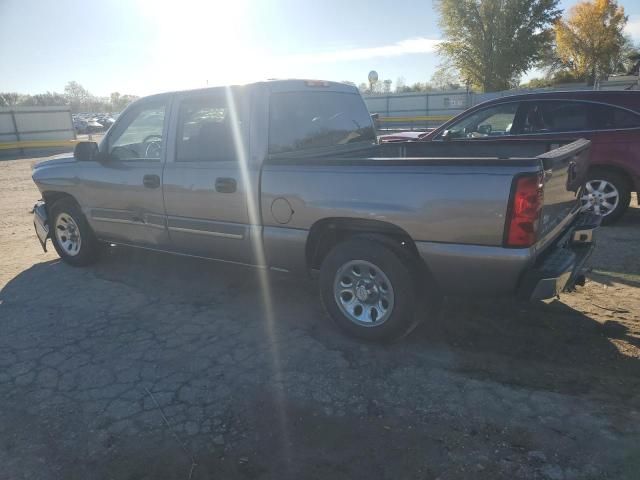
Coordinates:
556 116
205 129
608 117
303 120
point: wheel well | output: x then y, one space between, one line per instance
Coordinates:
327 233
52 197
614 169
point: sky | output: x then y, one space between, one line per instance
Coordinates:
148 46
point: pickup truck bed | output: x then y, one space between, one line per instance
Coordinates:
451 201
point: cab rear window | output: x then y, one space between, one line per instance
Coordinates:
304 120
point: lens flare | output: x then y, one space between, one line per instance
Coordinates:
248 174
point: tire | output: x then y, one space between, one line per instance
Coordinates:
395 285
602 187
71 235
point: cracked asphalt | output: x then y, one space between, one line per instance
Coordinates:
147 366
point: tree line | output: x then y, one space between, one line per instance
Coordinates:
75 96
488 45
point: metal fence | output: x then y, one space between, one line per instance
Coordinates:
35 127
417 111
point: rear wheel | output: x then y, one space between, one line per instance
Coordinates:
371 291
606 193
71 235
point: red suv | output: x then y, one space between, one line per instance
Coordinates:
610 119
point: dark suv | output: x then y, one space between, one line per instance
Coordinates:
610 119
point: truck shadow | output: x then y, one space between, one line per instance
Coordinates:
615 260
546 346
549 346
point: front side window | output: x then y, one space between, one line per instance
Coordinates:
205 130
555 117
141 138
493 121
303 120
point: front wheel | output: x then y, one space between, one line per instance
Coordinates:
371 291
71 235
607 194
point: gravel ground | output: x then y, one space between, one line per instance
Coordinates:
150 367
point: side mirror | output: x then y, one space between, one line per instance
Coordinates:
446 135
85 151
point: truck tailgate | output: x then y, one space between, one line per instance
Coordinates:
565 169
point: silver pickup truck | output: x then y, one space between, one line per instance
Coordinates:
288 176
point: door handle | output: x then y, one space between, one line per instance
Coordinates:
226 185
151 181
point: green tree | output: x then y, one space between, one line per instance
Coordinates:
628 58
445 78
491 43
590 42
537 83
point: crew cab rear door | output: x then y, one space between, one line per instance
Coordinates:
206 179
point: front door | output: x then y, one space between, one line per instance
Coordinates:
125 187
206 178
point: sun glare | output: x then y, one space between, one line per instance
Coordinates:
197 43
249 179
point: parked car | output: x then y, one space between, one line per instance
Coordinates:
610 119
80 125
105 120
94 126
288 176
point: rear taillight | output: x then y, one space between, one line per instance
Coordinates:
524 212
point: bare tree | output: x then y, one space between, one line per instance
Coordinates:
9 99
77 95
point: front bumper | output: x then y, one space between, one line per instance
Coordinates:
41 223
559 269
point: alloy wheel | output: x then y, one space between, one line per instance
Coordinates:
600 197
